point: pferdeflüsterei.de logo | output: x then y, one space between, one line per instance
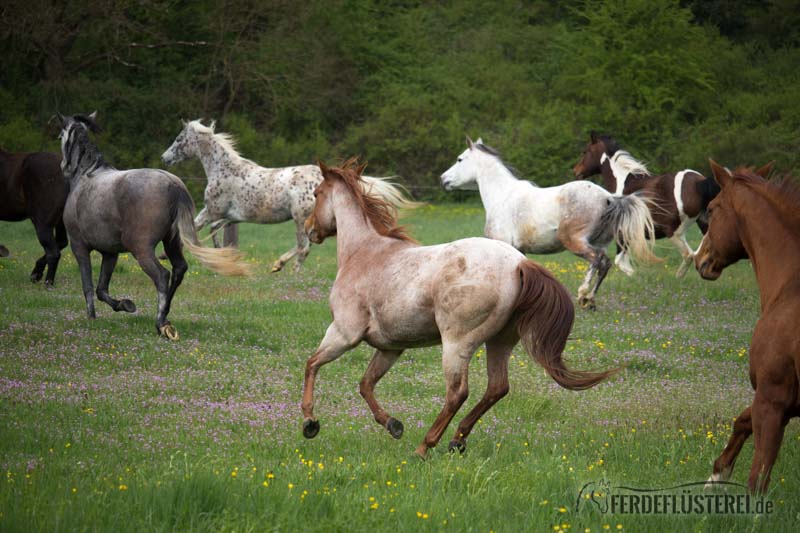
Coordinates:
725 498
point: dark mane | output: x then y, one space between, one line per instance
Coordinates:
611 144
783 190
381 214
496 153
93 126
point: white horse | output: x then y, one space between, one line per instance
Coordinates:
579 216
240 190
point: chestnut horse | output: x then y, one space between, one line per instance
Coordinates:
395 294
760 219
678 198
32 186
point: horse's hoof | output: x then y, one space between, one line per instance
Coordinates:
310 428
457 446
586 303
169 331
49 285
4 251
395 427
129 307
36 277
421 452
276 268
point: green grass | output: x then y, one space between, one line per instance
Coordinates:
105 426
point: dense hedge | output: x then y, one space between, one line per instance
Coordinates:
402 82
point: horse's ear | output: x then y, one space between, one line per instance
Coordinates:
360 168
765 170
213 125
324 168
479 141
470 144
62 118
183 123
593 136
721 174
93 115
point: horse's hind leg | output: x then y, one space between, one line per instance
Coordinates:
300 250
146 258
602 265
174 251
723 466
769 413
455 360
106 269
497 354
579 246
381 362
52 253
679 240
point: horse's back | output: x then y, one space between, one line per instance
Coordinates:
12 198
44 186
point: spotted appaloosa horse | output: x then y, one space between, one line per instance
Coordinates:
579 216
395 294
32 186
114 211
760 219
678 199
240 190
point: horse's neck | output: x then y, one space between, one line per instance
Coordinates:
495 183
774 251
217 161
353 231
614 178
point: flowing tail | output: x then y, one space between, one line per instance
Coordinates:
545 314
226 261
630 219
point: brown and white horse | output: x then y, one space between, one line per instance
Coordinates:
678 198
760 219
395 294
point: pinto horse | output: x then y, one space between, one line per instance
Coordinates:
579 216
114 211
32 186
395 294
240 190
760 219
679 198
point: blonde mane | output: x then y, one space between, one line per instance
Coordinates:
224 140
379 211
627 164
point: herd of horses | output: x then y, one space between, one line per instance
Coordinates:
395 294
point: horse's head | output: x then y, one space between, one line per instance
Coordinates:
591 160
321 223
185 144
77 149
464 173
722 245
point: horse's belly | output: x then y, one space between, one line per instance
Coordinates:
533 239
392 330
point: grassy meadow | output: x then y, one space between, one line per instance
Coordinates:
106 426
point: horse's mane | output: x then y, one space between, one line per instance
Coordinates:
622 158
225 140
380 212
784 191
485 148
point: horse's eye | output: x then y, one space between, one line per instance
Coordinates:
459 160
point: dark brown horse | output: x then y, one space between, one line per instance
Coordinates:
760 219
678 199
32 186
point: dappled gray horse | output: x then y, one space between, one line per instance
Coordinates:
114 211
240 190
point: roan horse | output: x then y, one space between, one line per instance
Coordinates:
760 219
114 211
678 199
240 190
395 294
32 186
578 216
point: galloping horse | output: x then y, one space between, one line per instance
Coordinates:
679 198
395 294
579 216
114 211
240 190
32 186
760 219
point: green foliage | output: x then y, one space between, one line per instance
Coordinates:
401 83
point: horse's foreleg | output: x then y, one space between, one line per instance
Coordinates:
381 362
723 466
332 346
455 360
81 253
106 270
146 258
497 354
4 251
679 240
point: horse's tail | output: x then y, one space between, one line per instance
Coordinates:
227 261
631 220
544 314
392 192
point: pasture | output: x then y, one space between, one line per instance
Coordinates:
106 426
